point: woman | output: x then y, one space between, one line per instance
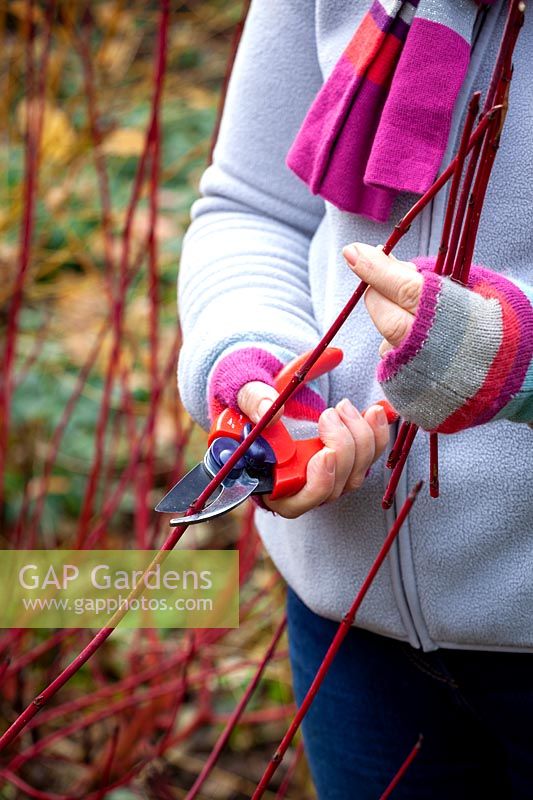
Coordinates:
443 641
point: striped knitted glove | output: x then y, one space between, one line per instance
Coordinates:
468 357
257 362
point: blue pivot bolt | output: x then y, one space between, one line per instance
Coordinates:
221 451
260 456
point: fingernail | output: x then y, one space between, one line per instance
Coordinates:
381 417
349 409
330 417
263 407
329 461
351 253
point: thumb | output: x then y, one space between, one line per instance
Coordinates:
255 398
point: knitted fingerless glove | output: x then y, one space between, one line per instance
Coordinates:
257 363
468 357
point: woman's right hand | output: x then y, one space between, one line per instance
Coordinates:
352 442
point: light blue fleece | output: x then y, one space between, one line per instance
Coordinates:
262 263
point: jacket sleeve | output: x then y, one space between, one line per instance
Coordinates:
243 282
468 358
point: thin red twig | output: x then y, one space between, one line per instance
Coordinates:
109 763
286 782
403 769
99 158
34 124
92 718
236 715
57 435
119 304
462 153
434 465
342 632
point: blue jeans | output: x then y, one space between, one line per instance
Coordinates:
474 709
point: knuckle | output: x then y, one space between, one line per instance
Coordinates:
365 458
397 329
408 293
355 482
365 438
336 493
284 509
369 265
345 444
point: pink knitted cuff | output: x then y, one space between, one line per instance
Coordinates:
247 364
467 358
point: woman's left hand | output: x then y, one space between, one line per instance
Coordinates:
465 362
394 293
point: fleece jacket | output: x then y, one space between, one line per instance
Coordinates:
262 268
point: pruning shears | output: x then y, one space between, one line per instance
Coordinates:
275 464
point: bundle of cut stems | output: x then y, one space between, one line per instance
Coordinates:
462 216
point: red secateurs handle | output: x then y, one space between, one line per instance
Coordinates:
330 358
292 455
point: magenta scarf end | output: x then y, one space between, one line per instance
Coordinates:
374 203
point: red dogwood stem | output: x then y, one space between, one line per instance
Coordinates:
455 258
38 702
462 153
403 769
284 787
473 108
397 447
333 649
235 715
123 278
390 491
497 98
33 133
434 465
470 225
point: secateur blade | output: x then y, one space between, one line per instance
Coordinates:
233 490
185 491
232 494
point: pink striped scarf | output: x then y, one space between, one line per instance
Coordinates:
380 123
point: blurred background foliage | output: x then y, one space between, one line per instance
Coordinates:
66 307
66 298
